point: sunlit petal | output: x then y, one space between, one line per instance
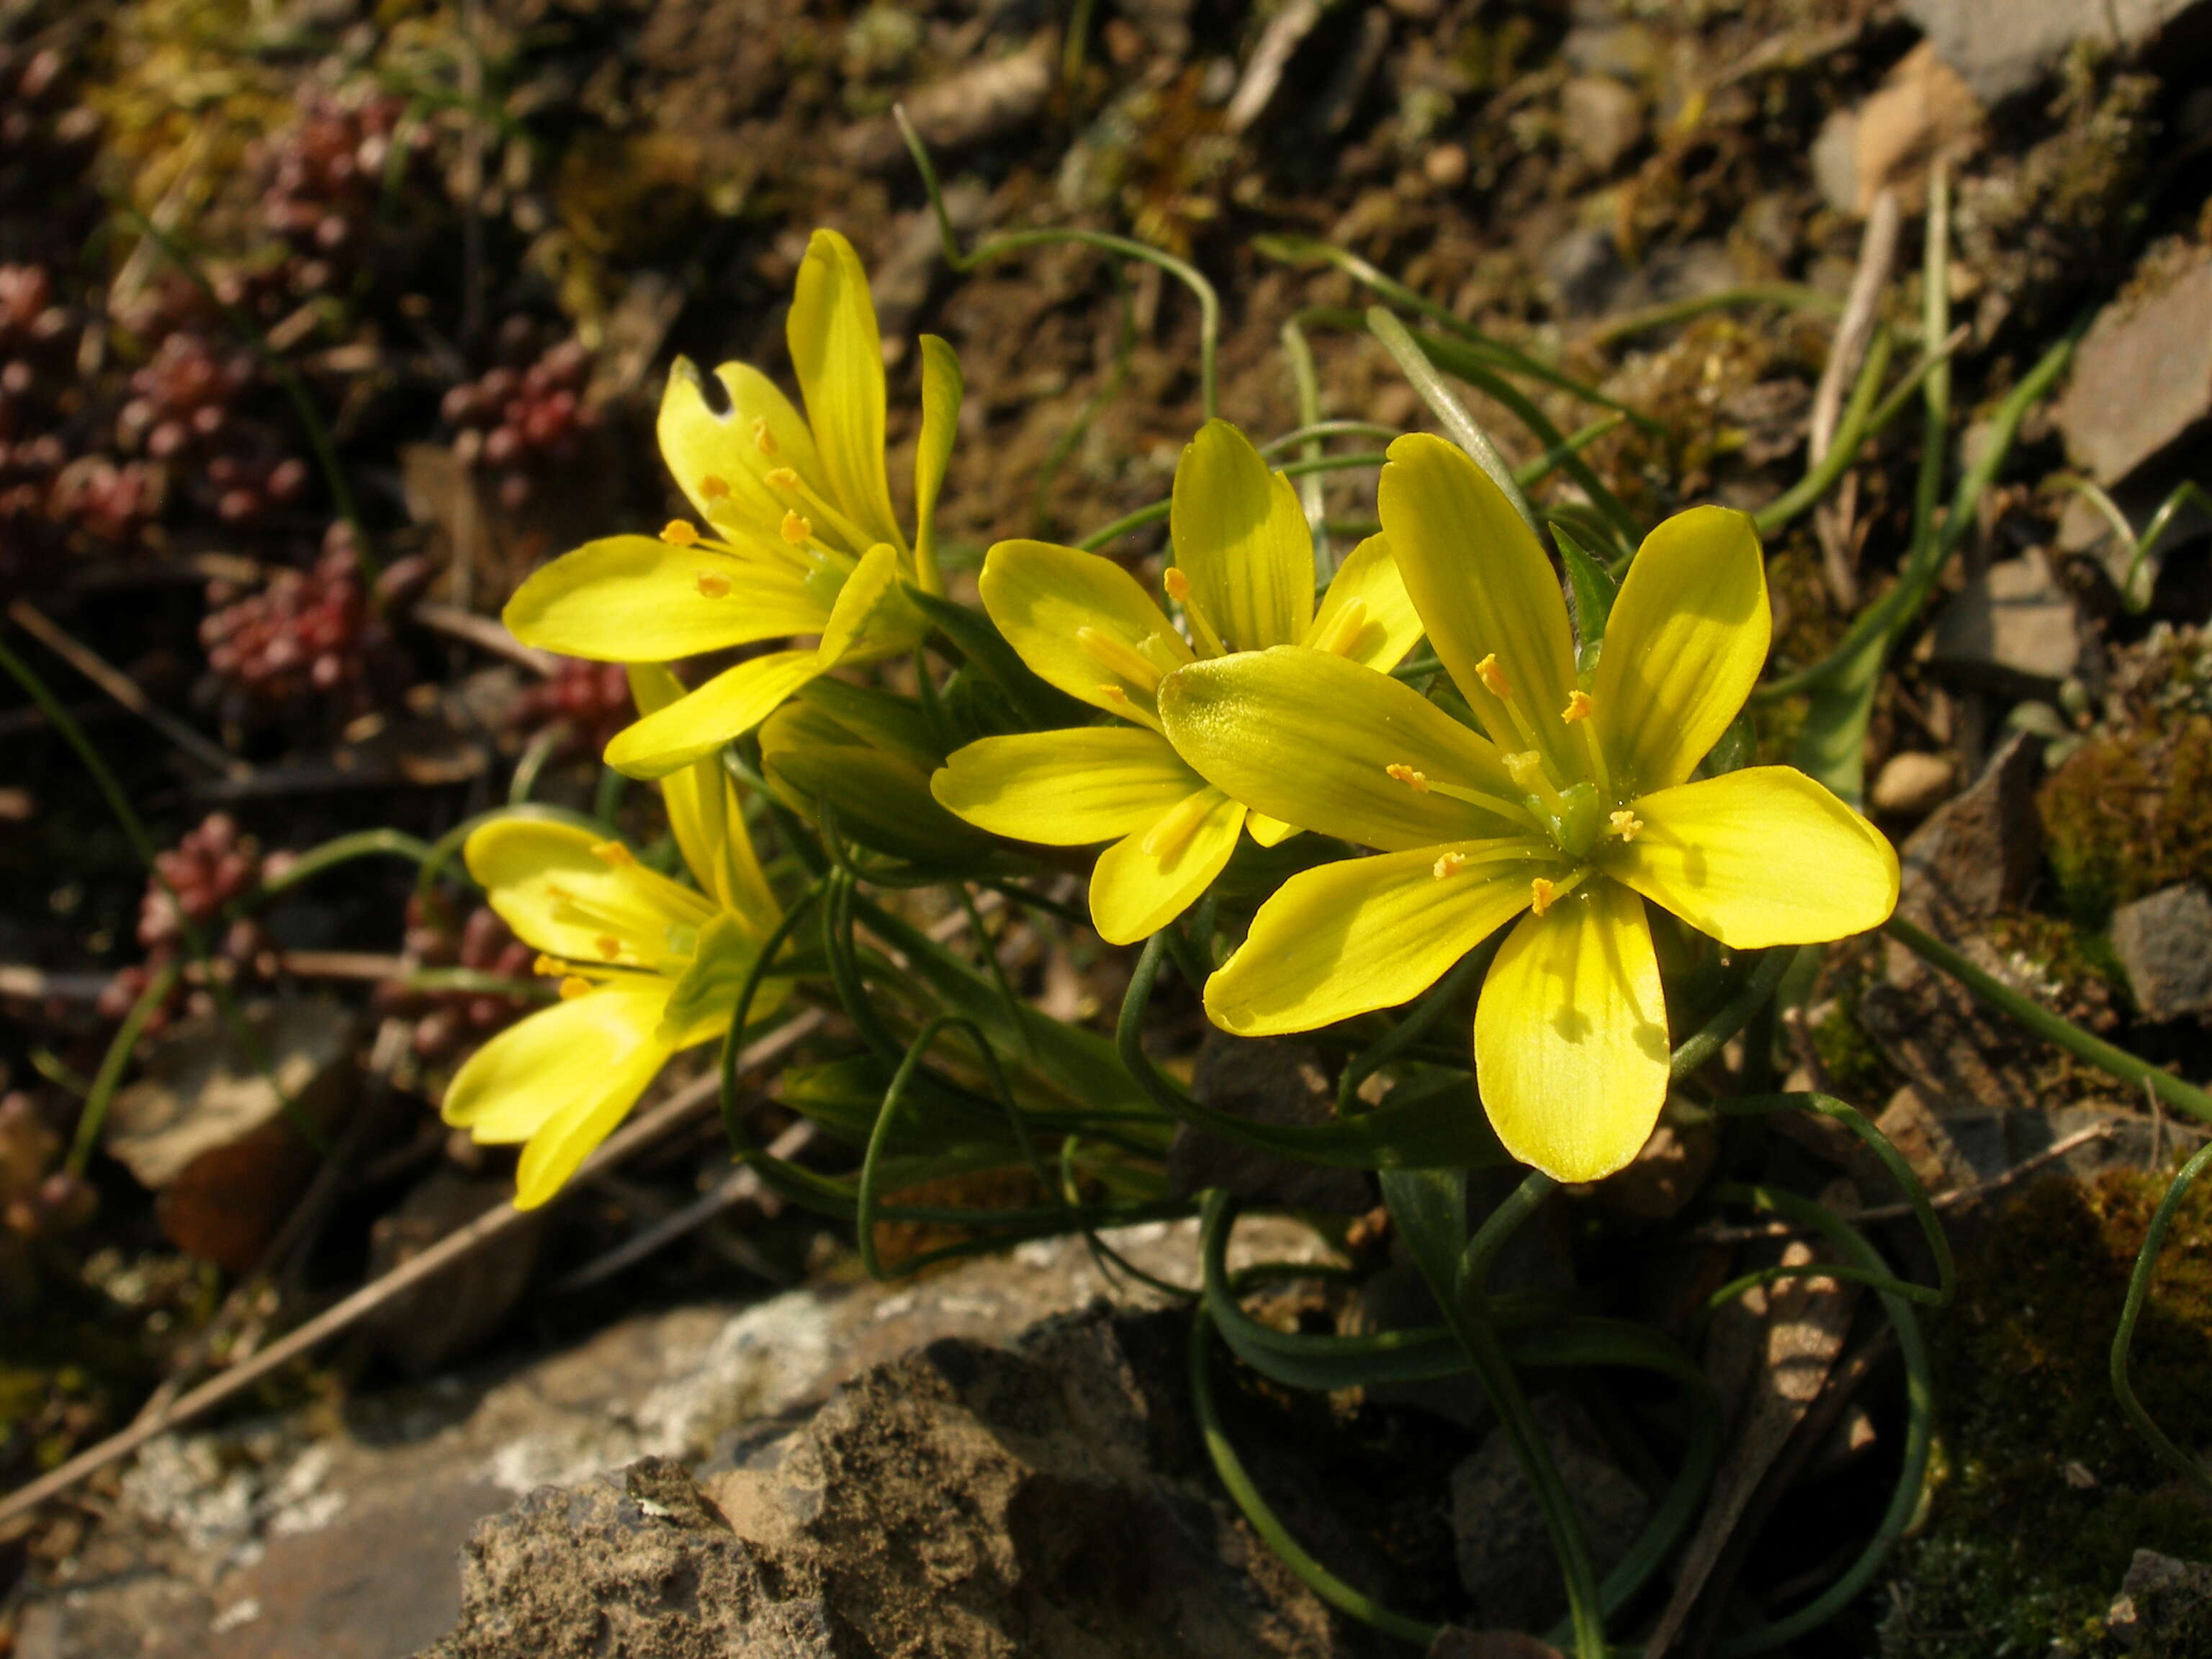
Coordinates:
1484 588
1760 857
633 599
942 388
729 705
1065 788
529 1073
561 895
1241 537
1385 625
873 616
1149 877
1683 648
839 358
1570 1052
1040 594
720 458
707 817
1365 933
1306 737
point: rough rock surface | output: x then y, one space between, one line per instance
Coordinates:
2013 626
2143 377
2164 943
1043 1500
2000 47
2164 1609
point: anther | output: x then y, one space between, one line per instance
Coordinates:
713 488
1493 678
1416 780
547 966
1626 825
1119 656
1177 584
574 987
1113 694
1579 705
680 532
1177 825
780 477
763 440
614 855
713 586
795 529
1450 864
609 946
1541 894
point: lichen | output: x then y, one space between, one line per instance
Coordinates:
2042 1490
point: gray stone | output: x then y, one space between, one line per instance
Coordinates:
2164 942
1912 784
1978 851
1506 1557
2014 626
2143 377
1267 1081
2157 1596
2001 47
1604 120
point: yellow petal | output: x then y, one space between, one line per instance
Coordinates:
1149 877
756 432
699 1003
547 1064
872 617
1065 788
941 391
561 896
1764 856
1386 625
633 599
1268 832
1308 737
839 359
1483 588
552 1154
1570 1034
708 817
1364 933
1039 594
1686 641
728 706
1241 537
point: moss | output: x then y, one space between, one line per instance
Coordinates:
2124 813
1854 1064
2042 1492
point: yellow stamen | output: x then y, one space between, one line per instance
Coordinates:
1203 634
609 946
1113 694
680 532
1493 678
780 477
614 855
1119 656
1541 894
1177 584
1626 825
1344 631
1579 705
1416 780
795 529
1450 864
1177 825
763 440
549 967
713 488
574 987
713 586
1529 775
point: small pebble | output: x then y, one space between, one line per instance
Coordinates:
1445 166
1911 784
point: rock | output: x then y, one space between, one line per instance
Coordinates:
1584 270
2000 47
1664 1175
1604 120
1950 1144
2142 376
2164 1609
1445 167
1912 784
1978 851
1273 1081
1050 1499
991 99
447 1318
1922 113
2164 943
2014 627
1506 1557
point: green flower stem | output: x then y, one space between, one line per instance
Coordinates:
1430 1209
2106 1057
1791 297
1421 374
344 850
532 761
1307 384
1732 1016
1209 303
2124 1337
1919 1428
94 1116
1246 1496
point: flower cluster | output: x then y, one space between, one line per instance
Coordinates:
1544 782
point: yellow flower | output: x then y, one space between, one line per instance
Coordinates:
647 965
1576 810
800 538
1244 580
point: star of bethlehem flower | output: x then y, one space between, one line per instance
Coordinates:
1577 810
799 537
1242 578
647 966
